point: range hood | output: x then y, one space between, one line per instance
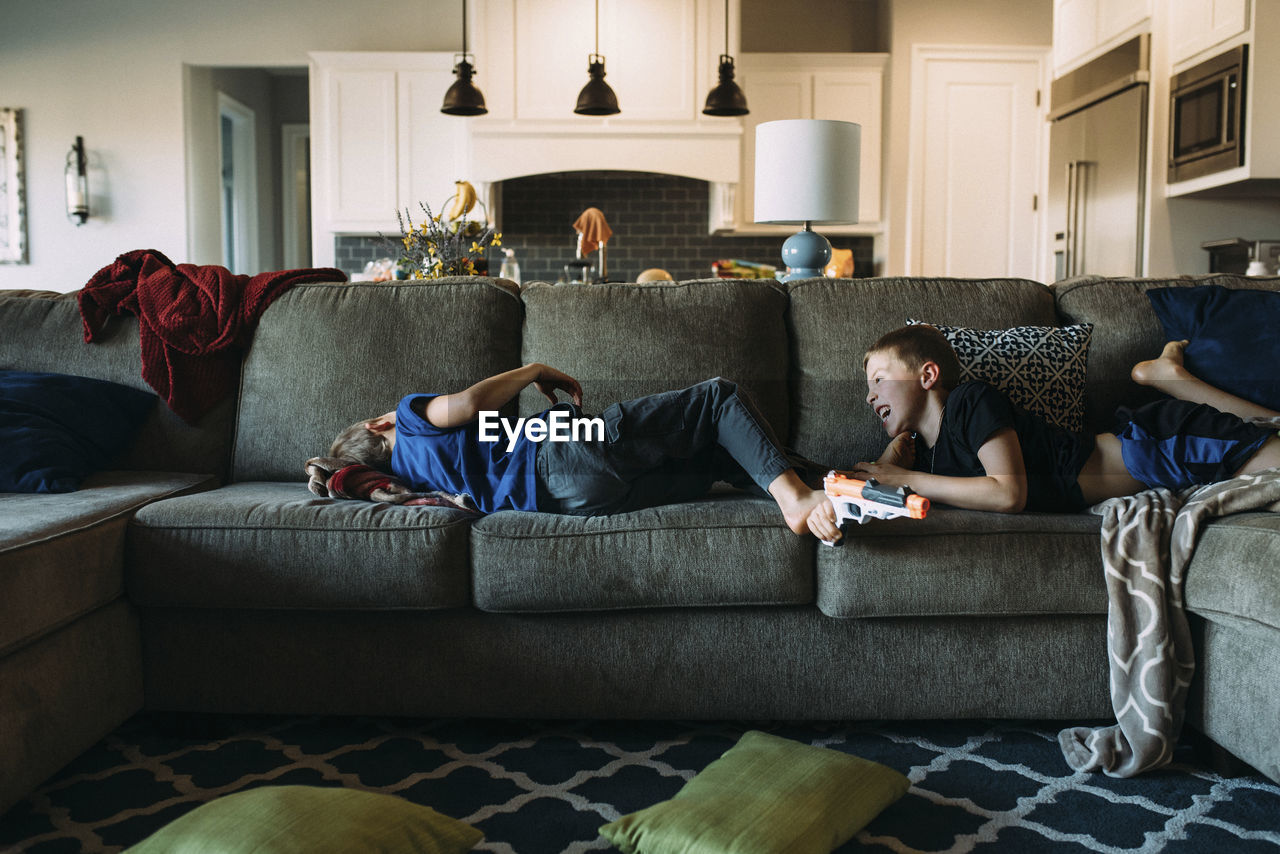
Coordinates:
518 149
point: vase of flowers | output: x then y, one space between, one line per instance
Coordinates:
445 245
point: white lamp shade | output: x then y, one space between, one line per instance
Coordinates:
807 171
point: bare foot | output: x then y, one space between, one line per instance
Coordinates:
1164 368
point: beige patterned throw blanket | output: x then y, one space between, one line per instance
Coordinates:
1148 540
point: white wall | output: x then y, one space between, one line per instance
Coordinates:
112 72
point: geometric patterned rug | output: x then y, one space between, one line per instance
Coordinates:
547 786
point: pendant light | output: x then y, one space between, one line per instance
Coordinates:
596 98
462 98
726 99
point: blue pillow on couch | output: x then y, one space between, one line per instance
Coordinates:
1234 335
56 429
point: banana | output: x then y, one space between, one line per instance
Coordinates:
464 199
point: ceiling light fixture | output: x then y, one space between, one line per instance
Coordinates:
596 98
463 98
726 98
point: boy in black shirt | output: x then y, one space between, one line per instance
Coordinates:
983 453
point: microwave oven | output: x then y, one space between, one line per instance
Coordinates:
1206 116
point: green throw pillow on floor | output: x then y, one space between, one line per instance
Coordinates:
765 794
311 819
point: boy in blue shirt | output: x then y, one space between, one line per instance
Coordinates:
967 445
659 449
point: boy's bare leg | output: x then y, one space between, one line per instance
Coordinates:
1104 475
1167 373
1266 457
795 499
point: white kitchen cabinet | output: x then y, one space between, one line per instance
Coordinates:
1197 25
845 87
379 141
660 56
1085 29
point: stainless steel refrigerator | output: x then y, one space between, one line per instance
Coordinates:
1097 164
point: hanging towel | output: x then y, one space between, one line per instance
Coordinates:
193 321
593 228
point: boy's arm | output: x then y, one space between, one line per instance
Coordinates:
454 410
1005 491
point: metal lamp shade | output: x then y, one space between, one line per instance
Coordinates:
807 171
726 99
596 98
463 98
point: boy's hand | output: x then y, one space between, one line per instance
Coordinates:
887 474
549 380
901 451
822 522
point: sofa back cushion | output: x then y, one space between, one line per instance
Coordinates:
624 341
328 355
1126 330
42 331
832 322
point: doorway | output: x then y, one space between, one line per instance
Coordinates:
238 191
975 168
246 135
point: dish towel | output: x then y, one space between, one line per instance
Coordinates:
593 228
193 321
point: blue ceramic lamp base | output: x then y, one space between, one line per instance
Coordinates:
805 255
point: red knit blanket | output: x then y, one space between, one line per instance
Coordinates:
193 321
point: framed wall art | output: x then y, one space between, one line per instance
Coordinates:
13 198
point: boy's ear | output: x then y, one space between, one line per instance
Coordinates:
379 425
929 374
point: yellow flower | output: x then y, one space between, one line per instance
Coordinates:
475 247
497 239
407 243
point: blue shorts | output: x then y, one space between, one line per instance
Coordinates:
1175 444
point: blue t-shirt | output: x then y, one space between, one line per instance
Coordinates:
455 460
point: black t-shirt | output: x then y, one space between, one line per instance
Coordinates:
1053 457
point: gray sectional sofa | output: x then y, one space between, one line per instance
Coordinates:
203 576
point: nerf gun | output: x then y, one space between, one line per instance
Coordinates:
862 500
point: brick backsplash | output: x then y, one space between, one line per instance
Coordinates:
657 221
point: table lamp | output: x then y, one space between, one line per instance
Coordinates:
807 172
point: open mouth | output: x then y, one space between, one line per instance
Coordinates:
882 412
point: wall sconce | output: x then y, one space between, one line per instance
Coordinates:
77 184
463 98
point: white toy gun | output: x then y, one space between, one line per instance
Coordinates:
862 500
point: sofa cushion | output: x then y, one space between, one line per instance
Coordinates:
58 428
625 341
60 555
833 322
1039 368
47 334
327 355
1232 334
722 550
965 563
1126 330
1233 576
274 545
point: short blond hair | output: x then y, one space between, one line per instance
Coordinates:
919 343
359 444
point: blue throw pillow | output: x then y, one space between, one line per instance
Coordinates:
56 429
1235 344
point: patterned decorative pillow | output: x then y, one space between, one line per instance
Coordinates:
1040 368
